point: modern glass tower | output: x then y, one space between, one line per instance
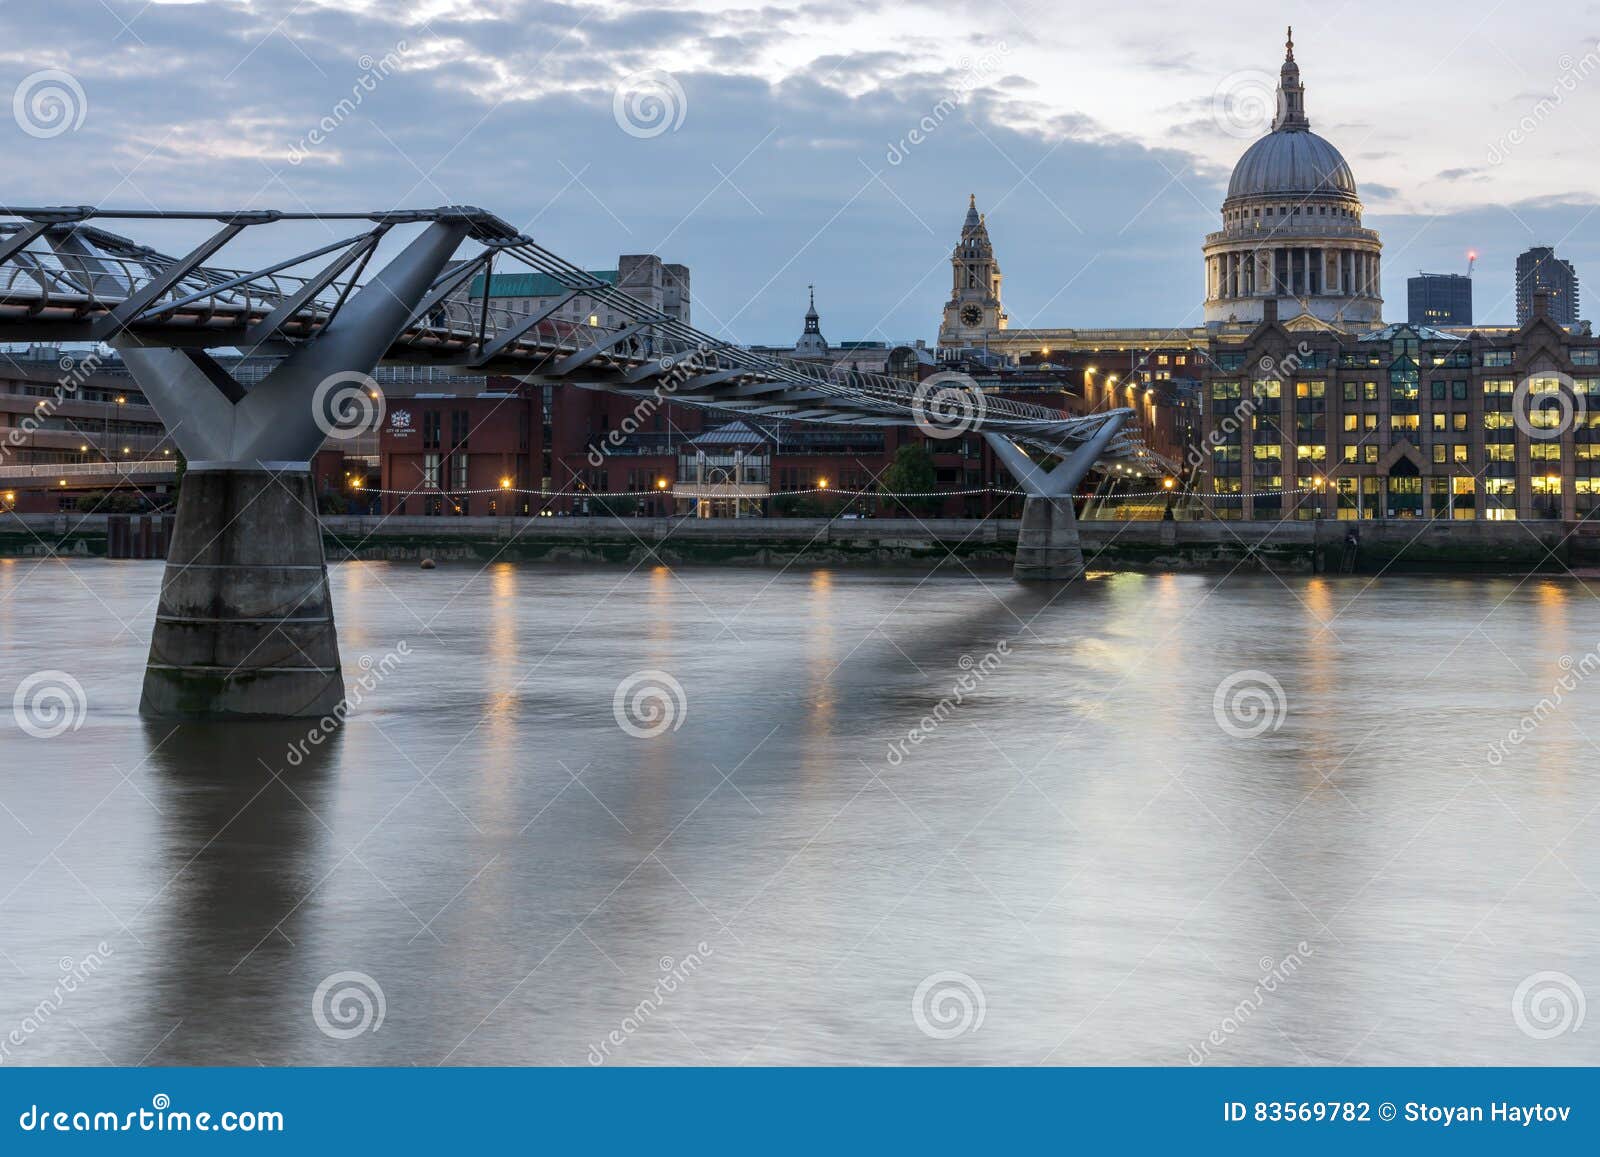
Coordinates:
1439 299
1539 270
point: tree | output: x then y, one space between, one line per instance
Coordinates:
911 472
618 505
803 506
109 502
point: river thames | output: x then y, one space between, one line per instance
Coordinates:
725 816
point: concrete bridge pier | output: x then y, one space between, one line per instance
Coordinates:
245 623
244 628
1048 548
1047 545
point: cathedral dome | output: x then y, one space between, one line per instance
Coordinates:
1294 161
1291 159
1291 228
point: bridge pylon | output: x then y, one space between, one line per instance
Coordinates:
244 627
1048 548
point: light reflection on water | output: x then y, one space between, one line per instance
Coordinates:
1078 836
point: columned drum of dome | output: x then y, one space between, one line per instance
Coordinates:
1291 228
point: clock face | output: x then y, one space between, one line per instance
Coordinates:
971 316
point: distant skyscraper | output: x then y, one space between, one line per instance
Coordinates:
1539 270
1439 299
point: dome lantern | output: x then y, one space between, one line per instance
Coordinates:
1291 116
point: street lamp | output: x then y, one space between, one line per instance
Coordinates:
505 484
822 483
122 400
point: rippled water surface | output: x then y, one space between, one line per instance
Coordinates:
1079 856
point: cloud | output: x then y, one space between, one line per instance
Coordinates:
1497 233
776 177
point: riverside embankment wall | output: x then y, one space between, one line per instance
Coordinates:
1486 547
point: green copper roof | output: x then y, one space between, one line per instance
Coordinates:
531 284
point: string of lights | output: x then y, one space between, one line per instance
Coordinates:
642 493
811 490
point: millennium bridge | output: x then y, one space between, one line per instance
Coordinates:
244 627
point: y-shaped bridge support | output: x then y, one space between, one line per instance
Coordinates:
1047 546
245 623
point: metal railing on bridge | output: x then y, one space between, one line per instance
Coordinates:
65 279
116 471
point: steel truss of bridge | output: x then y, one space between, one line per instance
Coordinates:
63 278
245 622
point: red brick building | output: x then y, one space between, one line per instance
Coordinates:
491 453
449 454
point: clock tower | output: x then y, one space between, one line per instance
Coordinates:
974 310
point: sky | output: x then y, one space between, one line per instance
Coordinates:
772 146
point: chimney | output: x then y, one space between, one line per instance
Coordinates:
1541 303
1269 311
